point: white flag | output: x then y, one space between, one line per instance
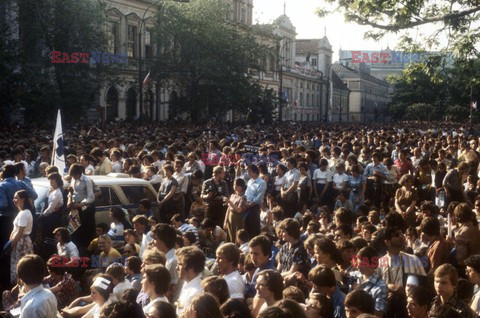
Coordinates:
146 80
58 149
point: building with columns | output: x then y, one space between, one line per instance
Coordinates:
127 31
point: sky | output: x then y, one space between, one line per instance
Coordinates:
310 26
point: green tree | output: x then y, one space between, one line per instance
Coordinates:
446 89
42 86
420 111
207 60
457 112
453 19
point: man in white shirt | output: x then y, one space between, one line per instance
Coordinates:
182 179
38 301
191 262
140 224
117 272
164 236
228 256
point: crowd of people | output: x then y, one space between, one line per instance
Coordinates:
341 221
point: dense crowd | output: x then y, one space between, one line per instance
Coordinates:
250 221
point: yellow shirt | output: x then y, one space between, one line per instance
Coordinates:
113 256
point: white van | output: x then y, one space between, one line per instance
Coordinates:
116 190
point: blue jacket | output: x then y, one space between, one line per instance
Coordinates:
8 187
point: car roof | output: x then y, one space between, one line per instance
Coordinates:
100 181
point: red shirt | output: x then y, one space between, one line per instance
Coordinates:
404 166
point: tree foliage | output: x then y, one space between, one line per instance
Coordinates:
448 27
207 61
41 86
454 19
419 95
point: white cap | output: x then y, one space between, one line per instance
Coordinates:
412 280
101 283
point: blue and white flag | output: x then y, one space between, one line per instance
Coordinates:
58 148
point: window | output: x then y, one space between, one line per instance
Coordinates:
314 62
132 41
148 45
136 193
242 15
112 34
107 197
308 85
308 100
301 84
301 99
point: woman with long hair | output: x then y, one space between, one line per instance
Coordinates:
117 227
269 286
65 246
52 215
466 239
20 242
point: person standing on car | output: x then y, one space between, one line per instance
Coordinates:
166 193
52 215
104 165
81 197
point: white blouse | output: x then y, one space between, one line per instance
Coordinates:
67 250
24 219
55 201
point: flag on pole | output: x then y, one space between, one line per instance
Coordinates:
146 80
473 105
58 148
